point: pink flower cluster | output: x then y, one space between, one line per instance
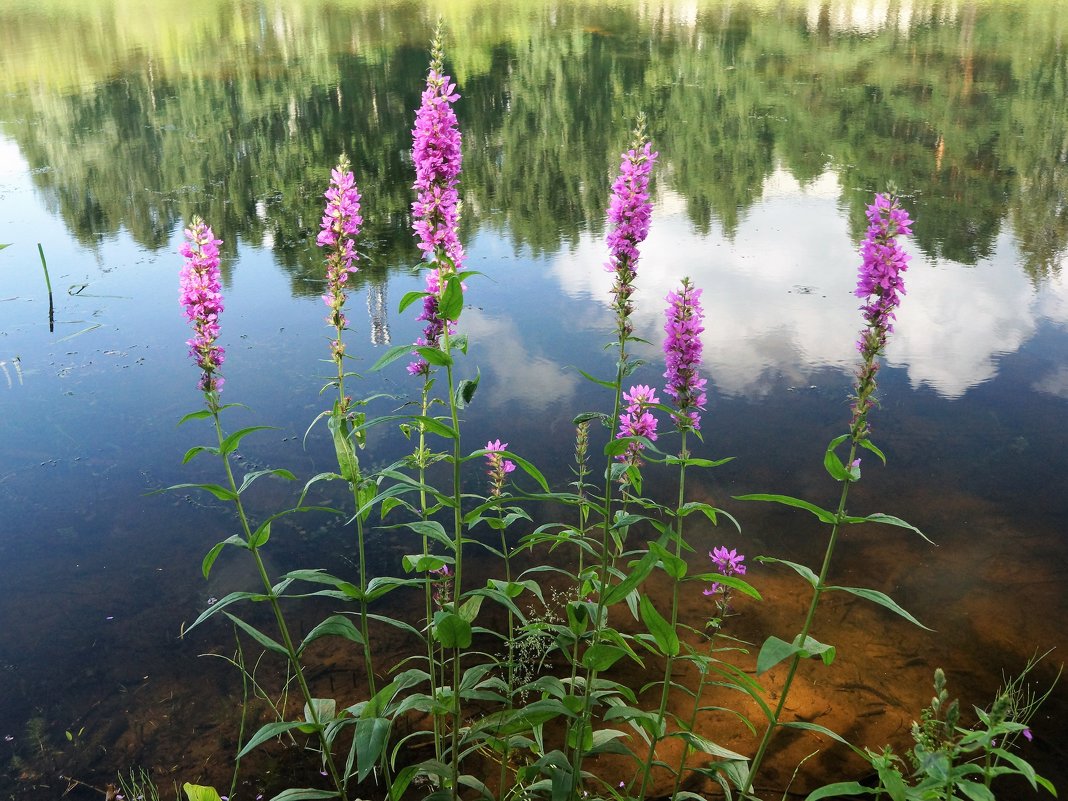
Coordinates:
637 421
437 157
879 280
682 354
201 297
628 213
630 210
341 223
882 286
499 467
727 563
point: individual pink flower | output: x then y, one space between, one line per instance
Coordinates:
201 297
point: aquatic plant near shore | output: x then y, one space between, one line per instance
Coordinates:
201 297
544 724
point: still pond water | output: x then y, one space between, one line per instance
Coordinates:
775 123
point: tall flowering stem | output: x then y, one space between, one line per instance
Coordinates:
881 286
629 215
340 226
437 158
202 300
682 358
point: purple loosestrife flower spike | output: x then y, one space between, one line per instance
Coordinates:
201 296
636 421
340 226
727 563
881 286
682 354
628 214
437 157
499 467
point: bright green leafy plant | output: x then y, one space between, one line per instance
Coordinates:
513 689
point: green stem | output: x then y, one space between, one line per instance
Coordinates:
428 584
283 629
693 717
457 522
795 661
669 661
607 559
510 656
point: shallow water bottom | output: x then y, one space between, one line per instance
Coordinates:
141 697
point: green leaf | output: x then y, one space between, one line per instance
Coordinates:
883 600
870 446
833 464
198 792
6 245
806 573
599 382
774 651
637 575
424 562
823 514
806 726
369 743
279 472
434 356
465 391
197 449
667 639
410 298
216 549
890 520
260 535
391 355
229 445
347 461
200 414
451 302
839 789
705 745
325 709
451 630
304 794
469 608
222 493
601 656
975 791
435 426
673 565
258 635
269 731
333 626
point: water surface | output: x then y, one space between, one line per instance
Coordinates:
775 124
